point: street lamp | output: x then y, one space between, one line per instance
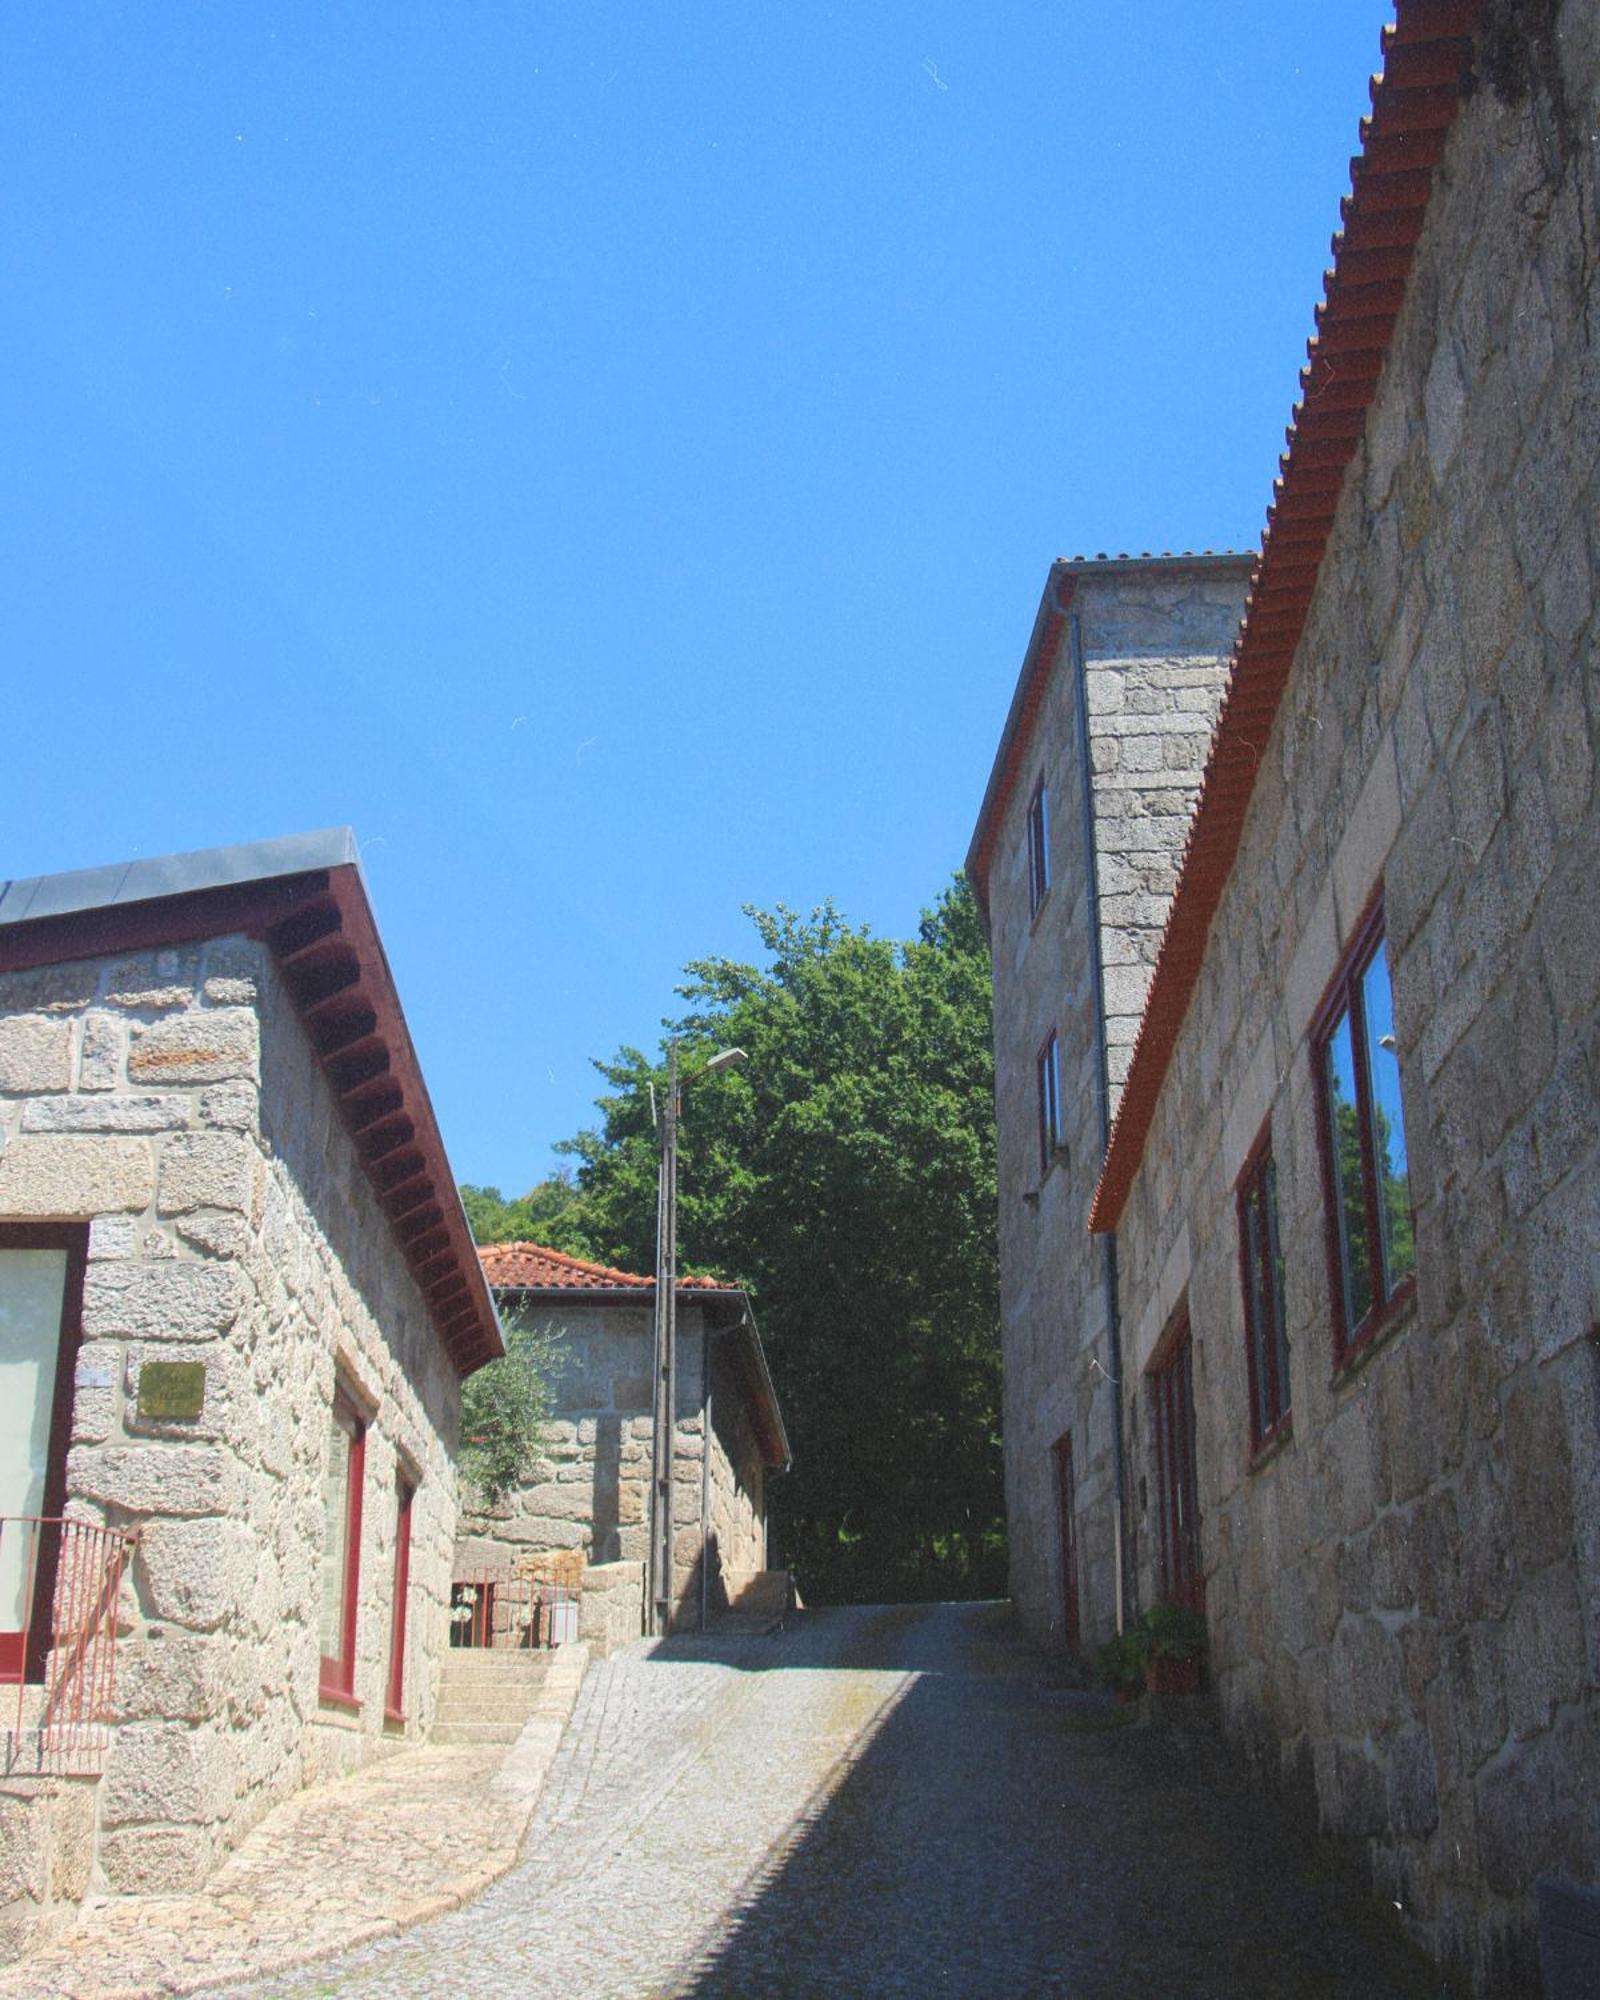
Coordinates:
664 1425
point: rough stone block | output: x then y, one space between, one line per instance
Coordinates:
102 1052
168 1773
218 1235
234 1106
149 1113
161 1479
54 1175
35 1053
150 1860
171 1676
198 1573
205 1170
113 1236
49 989
176 1300
209 1045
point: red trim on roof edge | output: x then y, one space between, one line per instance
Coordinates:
1413 106
320 929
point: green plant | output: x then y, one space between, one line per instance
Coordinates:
505 1409
1173 1632
1121 1662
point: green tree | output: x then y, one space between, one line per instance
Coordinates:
505 1408
551 1213
846 1175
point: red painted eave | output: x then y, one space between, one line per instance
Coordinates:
1414 103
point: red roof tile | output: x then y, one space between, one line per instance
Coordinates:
531 1267
1413 104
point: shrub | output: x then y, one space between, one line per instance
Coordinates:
505 1410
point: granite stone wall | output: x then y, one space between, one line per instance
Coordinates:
591 1489
1404 1599
1153 638
170 1101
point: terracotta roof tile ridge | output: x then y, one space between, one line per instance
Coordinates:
1427 50
585 1274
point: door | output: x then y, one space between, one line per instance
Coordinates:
1172 1399
1062 1452
41 1291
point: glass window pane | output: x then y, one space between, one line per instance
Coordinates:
32 1289
1344 1137
1388 1125
1258 1352
1275 1260
335 1535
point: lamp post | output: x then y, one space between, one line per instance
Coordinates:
664 1414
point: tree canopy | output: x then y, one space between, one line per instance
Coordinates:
845 1175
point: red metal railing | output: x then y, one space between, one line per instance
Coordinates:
513 1607
59 1582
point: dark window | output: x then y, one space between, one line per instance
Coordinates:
1261 1267
1177 1495
395 1706
1062 1453
1371 1246
341 1547
1049 1102
1038 845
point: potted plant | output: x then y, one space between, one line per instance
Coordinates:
1175 1648
1121 1664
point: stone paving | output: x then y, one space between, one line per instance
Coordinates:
887 1803
366 1856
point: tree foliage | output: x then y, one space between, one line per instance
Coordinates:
845 1174
505 1407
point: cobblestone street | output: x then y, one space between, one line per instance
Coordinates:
886 1802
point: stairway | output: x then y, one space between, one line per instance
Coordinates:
486 1694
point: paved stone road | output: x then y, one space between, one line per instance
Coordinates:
886 1803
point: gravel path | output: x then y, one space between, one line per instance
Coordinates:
884 1803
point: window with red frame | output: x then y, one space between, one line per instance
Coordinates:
1261 1268
341 1547
1367 1194
395 1705
1038 846
1177 1492
1049 1066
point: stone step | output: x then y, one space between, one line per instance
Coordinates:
475 1732
473 1668
487 1704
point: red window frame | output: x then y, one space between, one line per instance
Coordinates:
73 1238
338 1673
1061 1454
1261 1280
1177 1489
1038 846
405 1494
1345 1001
1047 1066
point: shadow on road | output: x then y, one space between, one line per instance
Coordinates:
990 1835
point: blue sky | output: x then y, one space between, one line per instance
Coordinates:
607 453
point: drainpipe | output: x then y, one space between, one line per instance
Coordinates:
1080 691
705 1468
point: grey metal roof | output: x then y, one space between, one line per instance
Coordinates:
176 874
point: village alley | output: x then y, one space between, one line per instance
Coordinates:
887 1802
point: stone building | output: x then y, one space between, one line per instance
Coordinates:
237 1297
593 1490
1073 861
1352 1190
